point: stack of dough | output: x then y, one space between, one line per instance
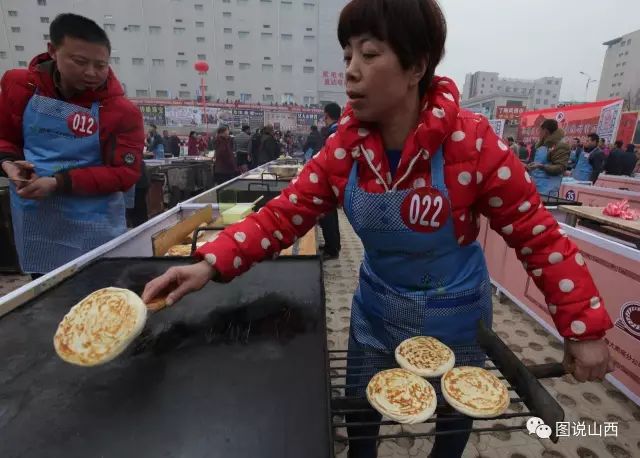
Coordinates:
182 250
402 396
475 392
100 327
425 356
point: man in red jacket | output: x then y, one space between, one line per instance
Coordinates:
70 144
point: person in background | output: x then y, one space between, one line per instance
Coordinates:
269 148
313 144
513 146
523 152
165 142
70 143
574 155
155 143
256 138
174 145
226 167
606 149
621 162
550 159
330 222
192 144
591 161
243 145
203 144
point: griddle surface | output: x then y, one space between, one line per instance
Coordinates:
200 382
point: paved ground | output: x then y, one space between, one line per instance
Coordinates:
589 402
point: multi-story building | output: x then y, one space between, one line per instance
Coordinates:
486 91
267 51
621 70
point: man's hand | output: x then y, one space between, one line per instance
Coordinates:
178 281
19 172
39 188
533 165
587 360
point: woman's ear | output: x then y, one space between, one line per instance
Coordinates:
419 71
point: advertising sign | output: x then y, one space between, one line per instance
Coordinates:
628 124
509 113
609 121
183 116
498 126
153 114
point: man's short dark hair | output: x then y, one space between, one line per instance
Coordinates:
314 128
593 136
551 125
246 128
76 26
415 30
619 143
222 129
333 111
153 126
510 139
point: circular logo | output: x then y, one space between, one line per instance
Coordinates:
425 210
560 116
129 158
82 124
630 316
570 195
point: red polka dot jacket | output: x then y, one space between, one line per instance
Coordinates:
483 178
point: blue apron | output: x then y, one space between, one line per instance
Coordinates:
53 231
583 170
547 185
158 151
412 283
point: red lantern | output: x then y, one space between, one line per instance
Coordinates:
201 66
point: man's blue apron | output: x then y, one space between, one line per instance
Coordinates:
412 283
547 185
583 170
53 231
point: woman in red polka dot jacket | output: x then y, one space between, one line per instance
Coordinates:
414 172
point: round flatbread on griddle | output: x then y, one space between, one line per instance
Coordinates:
402 396
425 356
100 327
475 392
182 250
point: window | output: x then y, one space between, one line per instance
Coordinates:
611 95
137 61
199 24
228 46
184 94
229 78
109 27
286 4
309 6
3 54
44 20
228 30
626 53
508 89
228 62
200 39
621 73
19 48
199 6
557 82
142 93
286 36
267 97
624 63
231 93
202 57
180 53
286 68
546 101
181 63
183 84
266 26
245 97
309 37
308 69
15 29
266 35
628 41
308 100
157 62
42 2
267 67
288 97
267 88
309 29
162 93
226 1
617 65
22 63
308 60
537 101
617 94
615 74
243 34
539 91
179 20
226 14
244 66
178 30
12 13
133 28
114 60
243 2
547 92
154 29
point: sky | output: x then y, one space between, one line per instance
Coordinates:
534 38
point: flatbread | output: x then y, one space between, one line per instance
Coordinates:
425 356
402 396
475 392
100 327
182 250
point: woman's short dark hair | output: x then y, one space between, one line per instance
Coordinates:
415 30
550 125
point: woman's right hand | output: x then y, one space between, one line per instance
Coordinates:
18 172
177 282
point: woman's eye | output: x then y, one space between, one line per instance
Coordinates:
368 55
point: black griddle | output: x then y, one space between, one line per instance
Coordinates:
234 370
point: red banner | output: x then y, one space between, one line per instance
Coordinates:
576 120
229 106
628 124
509 113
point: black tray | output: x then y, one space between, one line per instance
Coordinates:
235 370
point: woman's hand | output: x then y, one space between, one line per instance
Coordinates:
177 282
587 360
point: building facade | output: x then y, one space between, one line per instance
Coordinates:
620 75
481 87
259 51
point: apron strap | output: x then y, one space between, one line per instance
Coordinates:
437 172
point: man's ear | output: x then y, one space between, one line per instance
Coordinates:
52 51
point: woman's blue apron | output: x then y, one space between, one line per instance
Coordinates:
583 170
412 283
53 231
547 185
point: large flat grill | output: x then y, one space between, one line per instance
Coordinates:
528 396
